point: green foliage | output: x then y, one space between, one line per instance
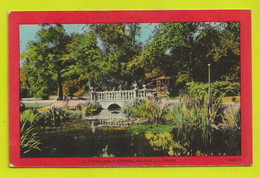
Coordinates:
110 54
91 109
121 51
151 129
47 60
164 95
76 87
53 118
152 109
65 108
195 100
218 88
74 107
29 139
165 142
232 116
36 105
226 87
28 116
178 113
32 121
86 57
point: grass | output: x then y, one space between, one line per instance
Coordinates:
29 139
30 99
37 105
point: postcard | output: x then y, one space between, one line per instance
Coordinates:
130 88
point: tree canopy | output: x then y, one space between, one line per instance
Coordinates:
110 54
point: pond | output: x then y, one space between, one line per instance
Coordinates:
89 139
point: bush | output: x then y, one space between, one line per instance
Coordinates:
218 88
232 116
195 104
28 115
92 109
153 109
164 95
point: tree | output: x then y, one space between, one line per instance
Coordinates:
119 44
47 57
89 63
183 50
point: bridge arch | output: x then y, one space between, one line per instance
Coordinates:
107 104
113 106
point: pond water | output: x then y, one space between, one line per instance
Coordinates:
142 140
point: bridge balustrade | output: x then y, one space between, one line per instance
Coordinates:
120 95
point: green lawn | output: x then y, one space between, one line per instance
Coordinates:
36 105
30 99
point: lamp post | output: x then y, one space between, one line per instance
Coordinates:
208 92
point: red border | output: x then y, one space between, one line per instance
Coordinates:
243 16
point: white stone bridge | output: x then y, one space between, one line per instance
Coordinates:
120 97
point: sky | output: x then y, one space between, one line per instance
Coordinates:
28 32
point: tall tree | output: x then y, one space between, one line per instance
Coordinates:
120 46
89 61
47 56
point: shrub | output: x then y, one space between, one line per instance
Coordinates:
232 116
91 109
164 95
195 101
28 115
225 88
65 108
43 109
74 107
178 113
54 117
153 109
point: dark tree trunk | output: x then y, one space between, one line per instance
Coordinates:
60 89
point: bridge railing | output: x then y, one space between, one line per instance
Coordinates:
119 95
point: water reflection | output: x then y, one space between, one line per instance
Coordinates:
122 142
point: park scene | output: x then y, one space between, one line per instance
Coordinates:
130 89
